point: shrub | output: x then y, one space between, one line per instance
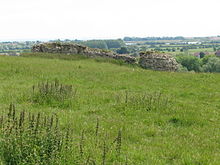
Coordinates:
190 62
206 58
213 65
181 68
202 54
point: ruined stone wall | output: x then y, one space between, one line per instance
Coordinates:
148 60
157 61
70 48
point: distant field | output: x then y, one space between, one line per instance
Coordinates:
163 117
202 50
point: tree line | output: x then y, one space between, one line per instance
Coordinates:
152 38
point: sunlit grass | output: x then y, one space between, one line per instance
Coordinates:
185 130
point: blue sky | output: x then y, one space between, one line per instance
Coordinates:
100 19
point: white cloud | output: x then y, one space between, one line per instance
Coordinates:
50 19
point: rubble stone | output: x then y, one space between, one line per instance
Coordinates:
157 61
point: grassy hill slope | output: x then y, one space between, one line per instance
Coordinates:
163 117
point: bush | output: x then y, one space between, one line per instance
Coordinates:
202 54
181 68
190 62
206 59
213 65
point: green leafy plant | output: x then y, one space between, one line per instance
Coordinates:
212 65
27 138
34 138
192 63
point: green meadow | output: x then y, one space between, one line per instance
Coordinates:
109 113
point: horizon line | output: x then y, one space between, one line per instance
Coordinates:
84 39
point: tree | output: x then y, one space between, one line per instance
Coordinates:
190 62
213 65
122 50
114 43
206 59
96 44
202 54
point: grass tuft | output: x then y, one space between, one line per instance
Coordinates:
53 94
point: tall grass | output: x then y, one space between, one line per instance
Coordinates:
30 138
77 57
53 94
56 56
154 136
143 101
